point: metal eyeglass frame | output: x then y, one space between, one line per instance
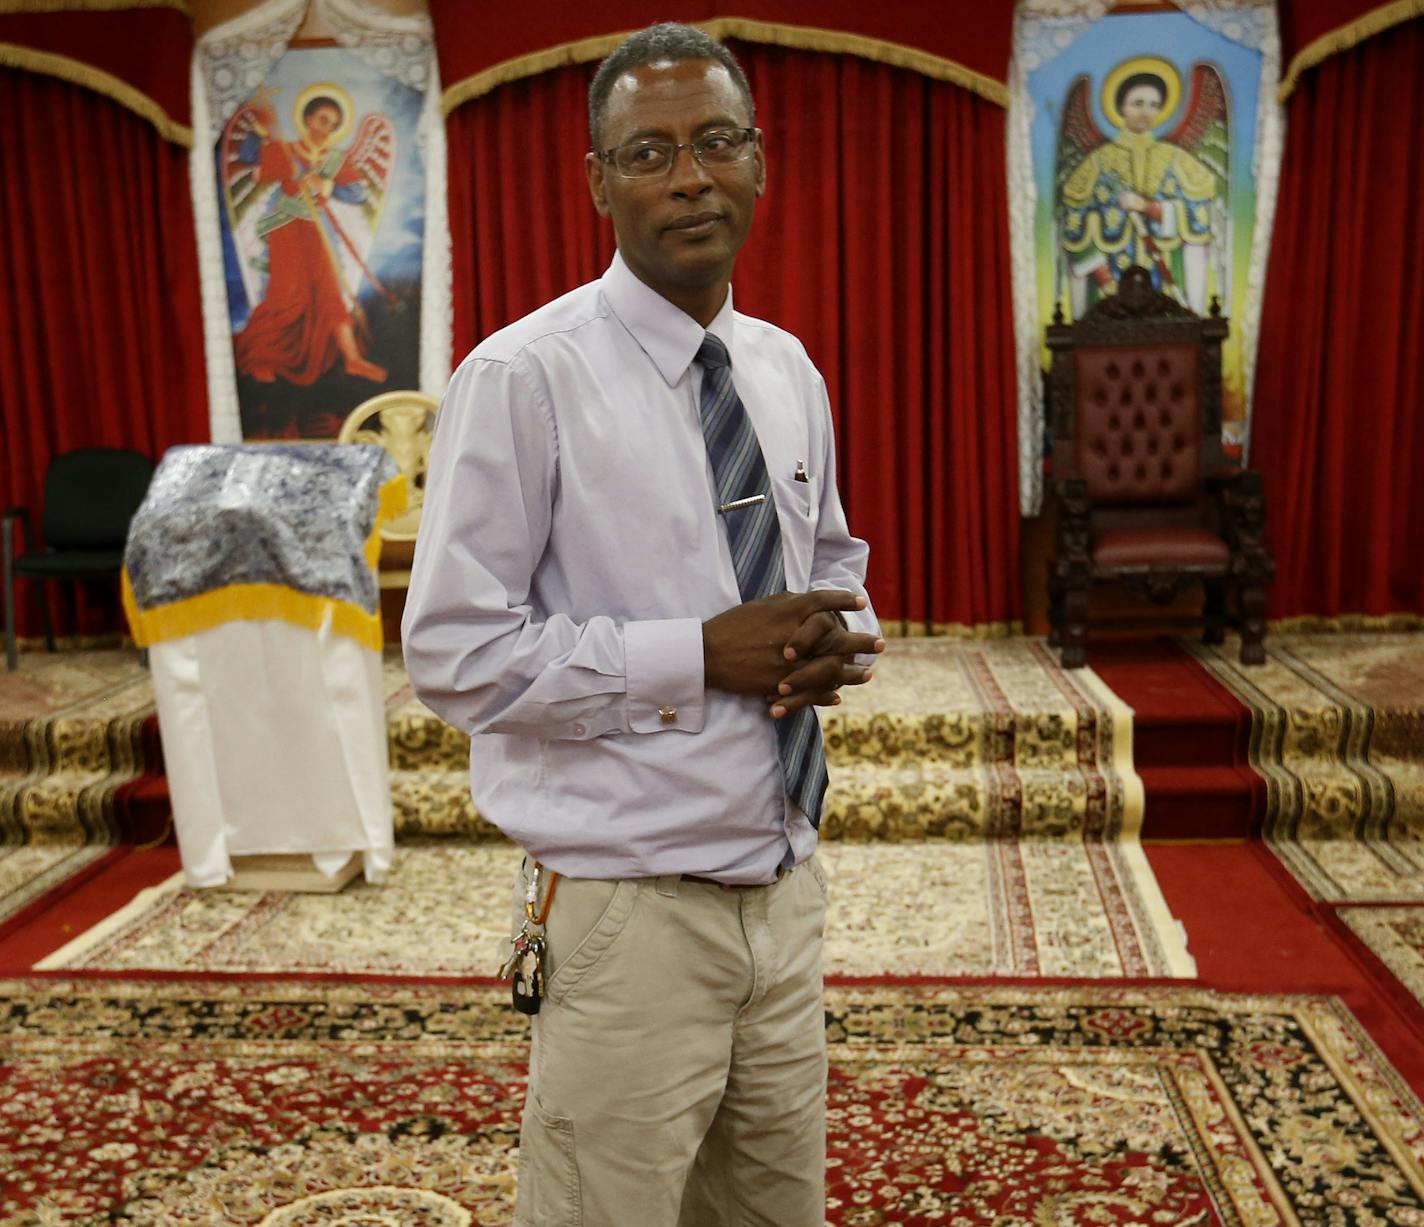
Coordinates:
673 148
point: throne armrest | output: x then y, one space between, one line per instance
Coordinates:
1242 505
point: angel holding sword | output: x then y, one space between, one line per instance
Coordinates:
1137 200
305 213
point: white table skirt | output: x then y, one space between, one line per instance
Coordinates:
274 739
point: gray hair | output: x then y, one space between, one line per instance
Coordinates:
669 41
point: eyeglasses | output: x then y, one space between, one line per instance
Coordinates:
644 159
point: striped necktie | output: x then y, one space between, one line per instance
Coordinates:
754 533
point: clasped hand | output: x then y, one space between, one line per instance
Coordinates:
790 648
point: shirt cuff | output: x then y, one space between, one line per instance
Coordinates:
663 661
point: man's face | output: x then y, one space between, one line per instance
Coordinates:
678 232
322 122
1140 108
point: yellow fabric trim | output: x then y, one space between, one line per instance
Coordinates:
809 38
49 64
249 603
256 602
93 6
391 503
1344 37
801 38
1348 623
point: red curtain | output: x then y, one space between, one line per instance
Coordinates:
102 344
882 243
1340 381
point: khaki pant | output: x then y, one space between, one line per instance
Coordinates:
677 1074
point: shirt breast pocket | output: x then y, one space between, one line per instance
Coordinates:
797 506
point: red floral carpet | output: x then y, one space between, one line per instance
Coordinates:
295 1104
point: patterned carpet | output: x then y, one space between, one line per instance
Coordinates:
1005 783
1001 908
1338 735
954 739
70 738
294 1105
1396 936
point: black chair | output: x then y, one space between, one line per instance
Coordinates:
90 495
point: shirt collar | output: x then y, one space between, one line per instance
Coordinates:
667 334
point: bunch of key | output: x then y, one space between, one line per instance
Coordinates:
526 957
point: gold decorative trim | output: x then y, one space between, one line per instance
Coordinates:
93 6
249 603
800 38
89 77
1342 38
1345 624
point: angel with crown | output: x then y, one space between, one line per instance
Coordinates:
303 216
1138 200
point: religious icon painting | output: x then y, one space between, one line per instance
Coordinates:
320 188
1144 139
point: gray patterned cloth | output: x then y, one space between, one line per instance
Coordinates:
297 515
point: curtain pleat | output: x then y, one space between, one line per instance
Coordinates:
882 243
1340 378
100 281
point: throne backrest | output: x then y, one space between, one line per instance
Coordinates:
1137 422
1134 397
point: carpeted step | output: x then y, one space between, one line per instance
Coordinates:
420 740
1200 802
865 803
1190 742
428 802
929 801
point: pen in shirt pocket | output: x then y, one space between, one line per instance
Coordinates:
801 474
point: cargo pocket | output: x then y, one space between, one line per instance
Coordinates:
548 1194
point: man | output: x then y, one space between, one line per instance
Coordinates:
634 583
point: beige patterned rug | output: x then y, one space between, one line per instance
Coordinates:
1000 908
1396 935
70 725
954 739
1338 735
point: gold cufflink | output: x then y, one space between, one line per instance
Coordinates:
668 715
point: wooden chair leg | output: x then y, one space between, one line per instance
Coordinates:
1074 636
1253 624
1215 612
1055 611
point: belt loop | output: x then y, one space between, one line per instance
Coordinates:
668 883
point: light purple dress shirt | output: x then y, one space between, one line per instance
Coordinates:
570 550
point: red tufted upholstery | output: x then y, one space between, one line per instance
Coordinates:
1139 428
1161 547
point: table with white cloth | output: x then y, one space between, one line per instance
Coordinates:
250 578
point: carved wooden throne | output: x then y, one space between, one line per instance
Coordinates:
1147 498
